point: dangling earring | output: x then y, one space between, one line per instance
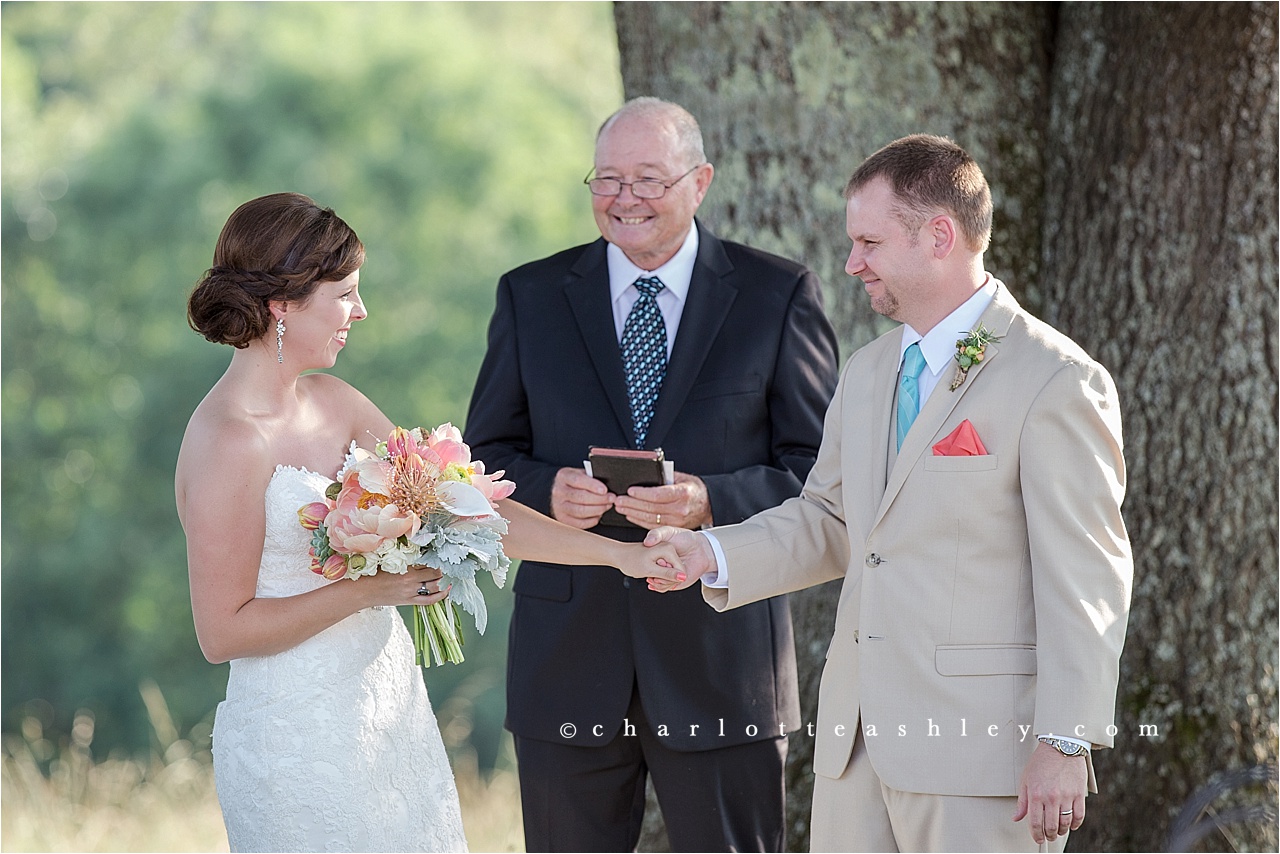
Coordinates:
280 340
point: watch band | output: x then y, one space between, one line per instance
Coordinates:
1066 748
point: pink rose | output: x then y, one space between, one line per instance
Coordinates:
366 529
362 521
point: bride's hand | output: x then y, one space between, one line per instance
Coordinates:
657 562
387 588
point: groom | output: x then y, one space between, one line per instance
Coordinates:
973 510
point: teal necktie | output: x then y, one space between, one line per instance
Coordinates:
909 390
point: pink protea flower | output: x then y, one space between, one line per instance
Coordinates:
413 482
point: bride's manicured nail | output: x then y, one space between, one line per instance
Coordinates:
680 576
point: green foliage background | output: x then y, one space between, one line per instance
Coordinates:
451 136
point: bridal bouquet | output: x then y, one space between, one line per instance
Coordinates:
418 499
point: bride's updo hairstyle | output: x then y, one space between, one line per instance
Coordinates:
278 247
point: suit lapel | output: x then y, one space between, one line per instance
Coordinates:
710 297
920 439
883 393
588 294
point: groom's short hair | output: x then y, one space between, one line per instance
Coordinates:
928 173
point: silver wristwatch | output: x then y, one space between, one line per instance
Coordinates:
1066 748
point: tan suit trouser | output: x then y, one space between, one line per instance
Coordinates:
859 813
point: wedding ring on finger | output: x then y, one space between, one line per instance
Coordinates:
423 591
1066 812
659 518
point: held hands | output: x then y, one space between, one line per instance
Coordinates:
1052 793
692 550
660 564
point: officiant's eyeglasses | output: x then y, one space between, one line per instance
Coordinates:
649 188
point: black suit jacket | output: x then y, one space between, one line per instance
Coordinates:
750 376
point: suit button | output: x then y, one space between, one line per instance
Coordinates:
626 582
873 560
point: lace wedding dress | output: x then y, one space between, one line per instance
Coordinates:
331 745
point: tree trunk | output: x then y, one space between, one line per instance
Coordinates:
1160 259
791 97
1132 153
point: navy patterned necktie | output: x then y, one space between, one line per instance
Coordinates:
644 354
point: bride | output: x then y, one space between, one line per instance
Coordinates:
326 740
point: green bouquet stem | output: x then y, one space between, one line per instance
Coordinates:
437 634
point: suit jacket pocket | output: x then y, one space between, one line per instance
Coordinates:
543 581
986 462
725 386
985 660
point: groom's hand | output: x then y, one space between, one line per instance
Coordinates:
578 499
1051 794
694 551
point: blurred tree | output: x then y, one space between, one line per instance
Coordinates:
1132 155
1160 258
130 132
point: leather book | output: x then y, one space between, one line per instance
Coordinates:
622 468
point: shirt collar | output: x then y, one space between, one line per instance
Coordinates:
939 345
675 274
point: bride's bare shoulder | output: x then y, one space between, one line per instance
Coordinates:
344 402
222 444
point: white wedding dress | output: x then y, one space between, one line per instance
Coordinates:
331 745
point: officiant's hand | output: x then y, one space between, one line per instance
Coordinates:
683 504
693 550
577 499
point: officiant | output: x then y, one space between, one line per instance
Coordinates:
657 335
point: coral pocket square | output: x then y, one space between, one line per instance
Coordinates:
963 442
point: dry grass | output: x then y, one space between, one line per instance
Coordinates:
58 798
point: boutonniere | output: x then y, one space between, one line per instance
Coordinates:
969 351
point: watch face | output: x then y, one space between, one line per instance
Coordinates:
1066 748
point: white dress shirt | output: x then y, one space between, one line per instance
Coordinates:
675 275
938 345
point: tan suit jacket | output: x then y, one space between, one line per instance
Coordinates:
985 598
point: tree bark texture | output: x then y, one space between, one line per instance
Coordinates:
1131 151
1160 259
792 96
